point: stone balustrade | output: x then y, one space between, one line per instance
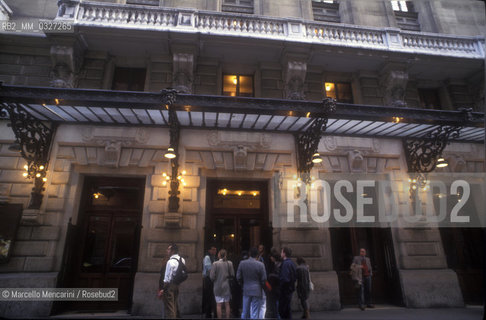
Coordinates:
240 24
231 24
345 35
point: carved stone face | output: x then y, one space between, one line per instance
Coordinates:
62 77
295 88
182 83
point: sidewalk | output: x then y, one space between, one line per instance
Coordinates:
384 312
398 313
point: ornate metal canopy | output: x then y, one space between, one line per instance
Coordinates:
35 111
83 106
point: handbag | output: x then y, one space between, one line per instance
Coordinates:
311 285
231 280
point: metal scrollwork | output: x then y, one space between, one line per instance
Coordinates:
34 138
169 97
308 142
423 152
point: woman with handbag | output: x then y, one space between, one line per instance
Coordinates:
221 274
304 286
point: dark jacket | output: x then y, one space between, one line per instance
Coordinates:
303 281
251 273
273 277
287 276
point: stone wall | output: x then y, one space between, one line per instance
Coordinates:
35 244
371 92
25 65
33 257
93 70
208 77
160 73
271 82
465 18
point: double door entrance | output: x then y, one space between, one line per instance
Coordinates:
102 249
237 216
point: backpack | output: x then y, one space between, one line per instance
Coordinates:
181 272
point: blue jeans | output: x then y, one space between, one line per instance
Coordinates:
365 292
252 307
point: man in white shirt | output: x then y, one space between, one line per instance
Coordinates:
170 292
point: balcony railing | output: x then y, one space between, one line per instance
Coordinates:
111 15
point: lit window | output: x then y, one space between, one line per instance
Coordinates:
402 6
340 91
238 85
405 15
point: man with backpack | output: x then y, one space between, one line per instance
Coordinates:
175 274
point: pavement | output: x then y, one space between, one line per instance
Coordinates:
379 312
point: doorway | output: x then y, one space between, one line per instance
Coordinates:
237 216
346 243
464 249
106 241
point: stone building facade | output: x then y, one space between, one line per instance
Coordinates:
368 52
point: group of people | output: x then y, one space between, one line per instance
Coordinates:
262 285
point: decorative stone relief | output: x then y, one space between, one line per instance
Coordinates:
248 140
240 157
457 163
294 78
355 160
113 139
329 143
346 144
183 72
394 78
66 61
66 8
127 136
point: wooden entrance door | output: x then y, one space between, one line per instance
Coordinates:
108 239
346 243
237 216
